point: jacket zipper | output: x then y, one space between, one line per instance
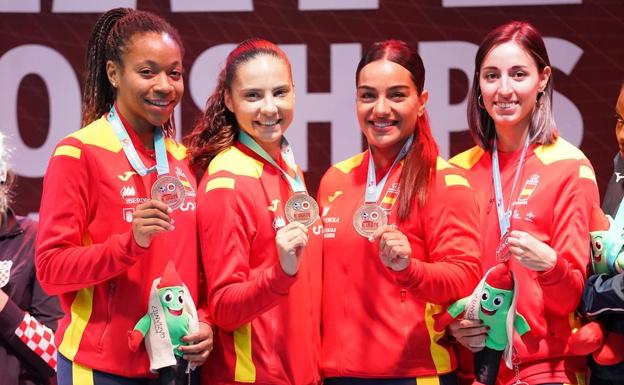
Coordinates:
109 314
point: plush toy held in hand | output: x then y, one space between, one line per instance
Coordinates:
171 316
494 303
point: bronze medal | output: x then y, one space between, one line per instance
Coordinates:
169 190
368 218
302 208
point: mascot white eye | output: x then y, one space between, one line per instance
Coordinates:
374 216
168 297
171 187
305 205
498 300
485 295
181 299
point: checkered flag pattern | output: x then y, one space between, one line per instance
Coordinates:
38 338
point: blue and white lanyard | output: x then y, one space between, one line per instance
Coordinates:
296 184
373 189
162 165
504 216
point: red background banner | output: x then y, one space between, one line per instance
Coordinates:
586 39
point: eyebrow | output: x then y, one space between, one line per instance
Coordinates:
399 86
260 89
517 67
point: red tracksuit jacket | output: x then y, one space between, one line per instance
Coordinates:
552 202
376 323
268 322
86 252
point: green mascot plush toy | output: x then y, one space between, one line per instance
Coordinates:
608 259
494 303
171 315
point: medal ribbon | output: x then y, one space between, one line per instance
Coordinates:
504 221
373 189
296 184
162 165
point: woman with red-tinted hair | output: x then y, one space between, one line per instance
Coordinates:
259 230
400 235
535 192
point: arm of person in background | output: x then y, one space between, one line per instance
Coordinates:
30 334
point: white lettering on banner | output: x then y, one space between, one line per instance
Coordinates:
327 5
565 55
204 73
498 3
21 6
439 59
81 6
336 106
211 5
64 98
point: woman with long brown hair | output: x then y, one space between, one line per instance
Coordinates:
260 232
400 235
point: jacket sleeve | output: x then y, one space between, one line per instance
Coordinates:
234 296
32 339
452 267
603 294
563 284
65 258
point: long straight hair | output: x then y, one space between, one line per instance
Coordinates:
420 163
542 127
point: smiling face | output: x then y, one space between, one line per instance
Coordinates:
172 299
509 81
148 82
388 104
493 300
262 99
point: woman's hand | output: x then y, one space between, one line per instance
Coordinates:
290 241
470 333
149 219
530 252
200 344
394 248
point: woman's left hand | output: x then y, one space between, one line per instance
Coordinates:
530 252
394 248
200 344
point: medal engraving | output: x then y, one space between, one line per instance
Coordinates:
368 218
169 190
302 208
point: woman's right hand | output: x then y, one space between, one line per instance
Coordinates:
290 241
470 333
149 219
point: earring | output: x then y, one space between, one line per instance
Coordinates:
480 101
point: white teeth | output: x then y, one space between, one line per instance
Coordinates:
160 103
505 105
382 124
268 124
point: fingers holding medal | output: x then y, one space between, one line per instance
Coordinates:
149 219
394 247
290 241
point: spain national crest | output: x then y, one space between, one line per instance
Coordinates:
5 272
